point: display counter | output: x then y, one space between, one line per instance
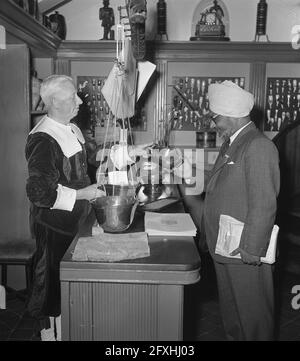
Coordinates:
140 299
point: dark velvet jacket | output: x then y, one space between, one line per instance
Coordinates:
48 167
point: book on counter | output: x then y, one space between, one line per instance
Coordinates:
169 224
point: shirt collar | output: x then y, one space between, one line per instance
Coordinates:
234 135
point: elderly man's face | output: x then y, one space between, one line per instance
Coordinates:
67 101
225 126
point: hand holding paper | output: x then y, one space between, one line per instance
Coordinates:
246 257
229 236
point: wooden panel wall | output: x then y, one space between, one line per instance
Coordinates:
14 124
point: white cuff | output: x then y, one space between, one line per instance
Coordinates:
66 198
2 298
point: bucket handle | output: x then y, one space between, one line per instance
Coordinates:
132 214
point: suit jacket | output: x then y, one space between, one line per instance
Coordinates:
287 143
244 184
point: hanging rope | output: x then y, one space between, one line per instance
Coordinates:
122 95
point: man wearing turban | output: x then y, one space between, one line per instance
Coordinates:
243 184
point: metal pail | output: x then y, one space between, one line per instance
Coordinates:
114 213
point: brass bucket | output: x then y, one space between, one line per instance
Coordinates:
115 213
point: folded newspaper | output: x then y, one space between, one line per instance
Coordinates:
229 236
111 247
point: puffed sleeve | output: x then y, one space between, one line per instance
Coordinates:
42 182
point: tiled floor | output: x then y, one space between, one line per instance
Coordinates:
15 324
202 319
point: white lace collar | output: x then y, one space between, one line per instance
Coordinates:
67 136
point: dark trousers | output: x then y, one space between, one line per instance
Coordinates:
45 299
246 298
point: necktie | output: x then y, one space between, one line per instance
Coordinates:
225 147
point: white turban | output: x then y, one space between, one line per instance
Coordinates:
229 100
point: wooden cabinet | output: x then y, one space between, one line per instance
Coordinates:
15 124
252 60
131 300
27 39
22 28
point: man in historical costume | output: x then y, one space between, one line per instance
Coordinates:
59 190
106 14
244 184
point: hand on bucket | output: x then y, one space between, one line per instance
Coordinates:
89 193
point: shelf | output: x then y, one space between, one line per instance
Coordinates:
221 51
22 27
188 51
101 50
38 112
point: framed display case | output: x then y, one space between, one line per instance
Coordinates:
187 87
253 61
282 103
190 103
89 89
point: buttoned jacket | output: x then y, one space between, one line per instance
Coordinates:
244 184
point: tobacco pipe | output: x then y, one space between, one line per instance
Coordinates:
191 106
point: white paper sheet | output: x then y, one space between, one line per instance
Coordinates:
169 224
119 156
118 178
145 71
2 298
229 236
